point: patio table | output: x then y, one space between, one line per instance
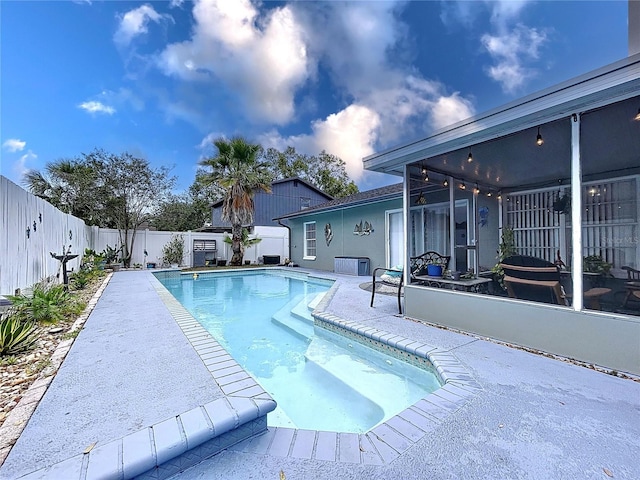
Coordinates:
468 285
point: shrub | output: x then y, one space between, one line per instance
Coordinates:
81 279
48 304
16 335
173 251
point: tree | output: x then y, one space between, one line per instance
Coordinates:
245 241
104 189
189 210
325 171
69 185
237 169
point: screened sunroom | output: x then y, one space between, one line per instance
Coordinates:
538 202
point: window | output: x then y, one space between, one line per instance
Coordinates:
310 241
305 203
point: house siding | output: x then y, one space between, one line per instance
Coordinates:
344 241
285 197
373 246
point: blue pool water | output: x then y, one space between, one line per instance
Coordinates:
320 380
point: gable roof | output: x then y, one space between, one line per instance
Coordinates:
388 192
286 180
309 185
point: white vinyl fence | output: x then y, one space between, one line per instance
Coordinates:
25 249
30 229
275 241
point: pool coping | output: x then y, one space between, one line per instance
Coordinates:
238 421
380 445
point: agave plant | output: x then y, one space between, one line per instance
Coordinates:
16 335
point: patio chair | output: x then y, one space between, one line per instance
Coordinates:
632 285
534 279
419 266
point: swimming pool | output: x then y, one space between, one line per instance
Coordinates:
319 379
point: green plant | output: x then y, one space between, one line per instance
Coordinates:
49 303
245 241
595 264
506 249
71 334
8 360
111 254
173 251
38 366
81 278
16 335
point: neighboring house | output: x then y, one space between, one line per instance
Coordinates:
288 195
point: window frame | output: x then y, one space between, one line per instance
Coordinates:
310 251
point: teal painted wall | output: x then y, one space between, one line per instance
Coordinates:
344 242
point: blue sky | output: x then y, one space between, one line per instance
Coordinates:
162 79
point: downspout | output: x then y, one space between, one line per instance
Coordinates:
288 228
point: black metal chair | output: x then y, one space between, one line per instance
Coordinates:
418 267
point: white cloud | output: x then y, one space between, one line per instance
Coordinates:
135 22
350 134
94 107
21 167
267 58
262 59
14 145
175 3
510 51
513 46
359 129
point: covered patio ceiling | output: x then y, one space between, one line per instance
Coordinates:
503 141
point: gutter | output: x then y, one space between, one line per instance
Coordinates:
288 228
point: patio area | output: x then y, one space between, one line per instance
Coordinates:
531 416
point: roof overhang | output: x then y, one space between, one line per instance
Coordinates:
505 137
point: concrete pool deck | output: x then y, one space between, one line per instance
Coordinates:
531 417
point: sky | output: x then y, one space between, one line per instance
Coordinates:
163 79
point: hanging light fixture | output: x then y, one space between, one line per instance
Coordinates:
446 182
637 117
463 186
476 190
470 157
539 140
425 174
489 194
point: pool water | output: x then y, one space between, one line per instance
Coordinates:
320 380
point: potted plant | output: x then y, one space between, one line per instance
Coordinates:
596 264
110 256
173 251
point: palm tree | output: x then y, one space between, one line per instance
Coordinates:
237 169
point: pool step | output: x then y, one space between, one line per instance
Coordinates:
313 304
296 317
373 382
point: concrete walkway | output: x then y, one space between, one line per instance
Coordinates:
535 417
